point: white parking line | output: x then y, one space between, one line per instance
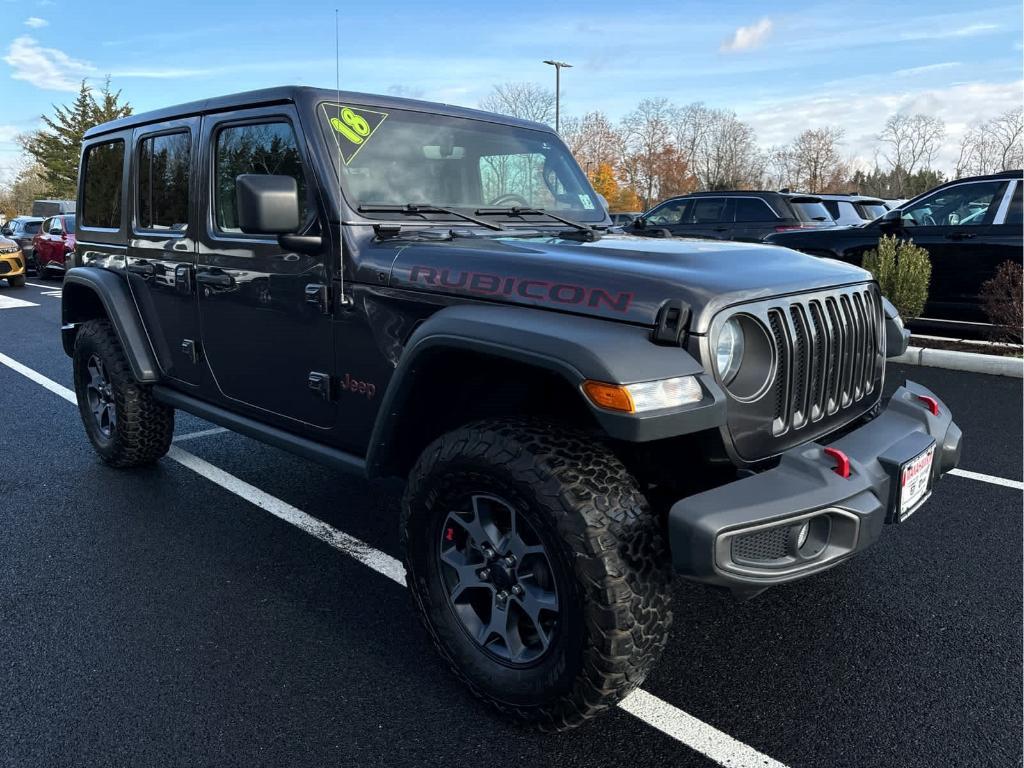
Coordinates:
9 302
1017 484
200 433
670 720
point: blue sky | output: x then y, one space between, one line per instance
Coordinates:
781 67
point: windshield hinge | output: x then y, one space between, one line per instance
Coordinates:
672 323
384 231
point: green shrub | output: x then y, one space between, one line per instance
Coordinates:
903 271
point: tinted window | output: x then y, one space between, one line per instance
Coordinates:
707 210
33 227
753 209
871 211
1013 213
69 223
164 169
668 213
962 205
51 225
104 164
811 212
265 148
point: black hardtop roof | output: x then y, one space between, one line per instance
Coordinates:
295 94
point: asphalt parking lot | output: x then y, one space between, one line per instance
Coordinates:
170 616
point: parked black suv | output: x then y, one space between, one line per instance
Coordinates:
397 288
968 226
21 230
745 216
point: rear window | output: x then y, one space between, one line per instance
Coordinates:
811 211
164 166
32 228
707 210
832 206
753 209
101 196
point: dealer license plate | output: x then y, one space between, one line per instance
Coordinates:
915 482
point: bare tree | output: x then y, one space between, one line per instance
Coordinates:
647 130
813 162
992 146
527 101
723 151
910 143
593 140
1007 135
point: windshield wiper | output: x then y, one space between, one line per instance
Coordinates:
420 208
587 232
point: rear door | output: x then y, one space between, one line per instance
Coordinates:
754 218
162 242
267 345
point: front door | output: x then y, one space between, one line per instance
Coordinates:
162 245
956 226
268 346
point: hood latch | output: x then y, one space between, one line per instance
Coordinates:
673 321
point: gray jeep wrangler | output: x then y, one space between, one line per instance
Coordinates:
396 288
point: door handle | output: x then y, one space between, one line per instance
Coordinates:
143 268
720 229
218 280
960 235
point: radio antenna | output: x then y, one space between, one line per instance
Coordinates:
342 299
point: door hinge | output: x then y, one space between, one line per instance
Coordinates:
320 383
319 295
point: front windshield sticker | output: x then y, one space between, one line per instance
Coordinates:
353 127
587 202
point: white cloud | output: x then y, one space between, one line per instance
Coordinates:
35 22
46 68
745 38
969 30
927 68
861 113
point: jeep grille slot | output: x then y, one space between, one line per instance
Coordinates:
828 368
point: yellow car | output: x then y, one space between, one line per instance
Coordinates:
12 263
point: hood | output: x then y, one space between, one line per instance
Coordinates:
620 277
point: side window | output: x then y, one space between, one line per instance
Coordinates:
1013 213
56 226
163 177
265 148
46 226
963 205
753 209
707 210
33 228
668 213
101 198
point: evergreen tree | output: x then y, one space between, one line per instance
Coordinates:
56 147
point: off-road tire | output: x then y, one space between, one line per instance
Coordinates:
144 427
608 545
17 281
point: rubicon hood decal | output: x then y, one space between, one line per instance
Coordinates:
619 277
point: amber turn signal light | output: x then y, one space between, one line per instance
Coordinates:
614 397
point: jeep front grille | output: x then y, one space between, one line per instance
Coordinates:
828 358
827 348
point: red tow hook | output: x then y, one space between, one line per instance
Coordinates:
842 467
930 403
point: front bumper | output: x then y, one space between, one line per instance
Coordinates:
11 264
743 535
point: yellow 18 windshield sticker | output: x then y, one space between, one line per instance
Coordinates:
352 127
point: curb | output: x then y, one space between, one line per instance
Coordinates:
994 365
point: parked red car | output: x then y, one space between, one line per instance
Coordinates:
54 244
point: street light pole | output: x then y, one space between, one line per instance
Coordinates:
558 86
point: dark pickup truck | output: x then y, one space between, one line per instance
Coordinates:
397 288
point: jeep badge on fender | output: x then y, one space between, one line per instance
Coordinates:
397 288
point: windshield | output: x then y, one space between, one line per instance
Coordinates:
399 156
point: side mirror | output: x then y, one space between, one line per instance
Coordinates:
639 222
267 205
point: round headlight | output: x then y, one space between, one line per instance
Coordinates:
729 350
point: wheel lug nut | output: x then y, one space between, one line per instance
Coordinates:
510 560
484 574
503 597
517 590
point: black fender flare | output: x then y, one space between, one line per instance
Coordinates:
115 296
577 348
